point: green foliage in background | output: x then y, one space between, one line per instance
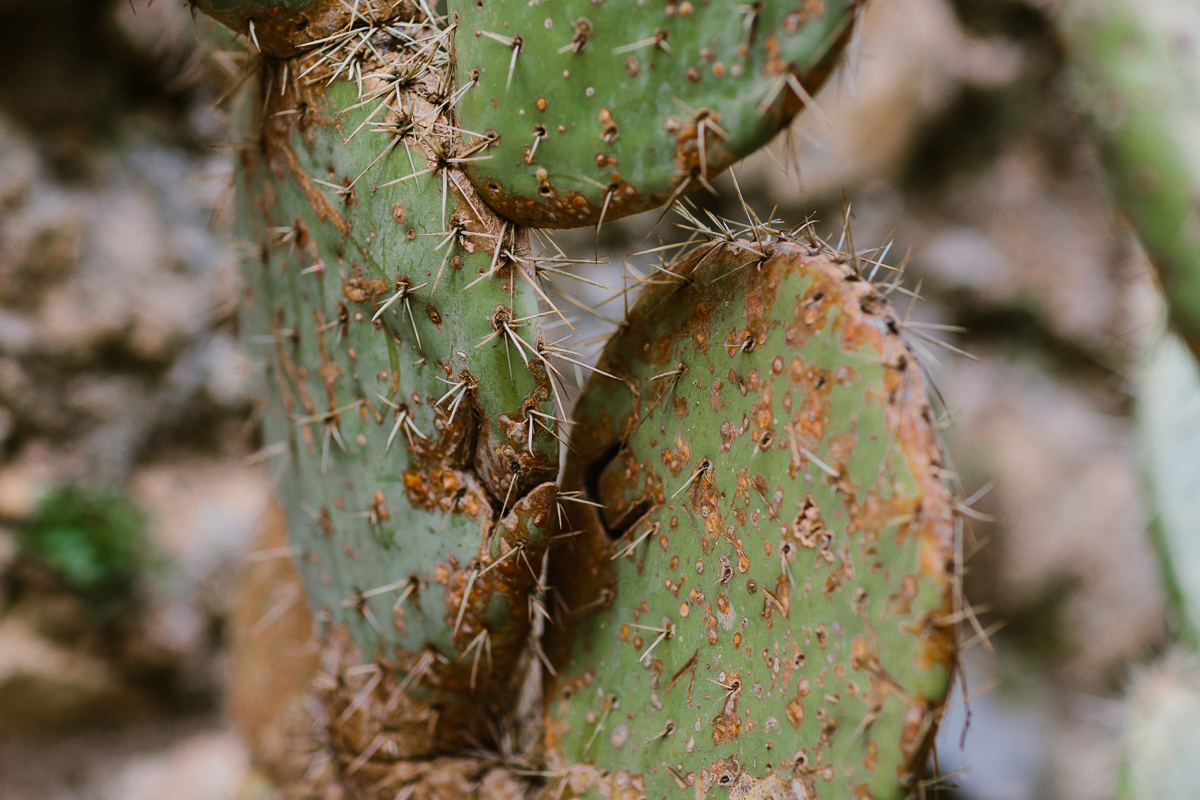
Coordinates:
93 538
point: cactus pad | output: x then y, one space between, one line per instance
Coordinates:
404 401
757 583
762 598
597 110
1136 79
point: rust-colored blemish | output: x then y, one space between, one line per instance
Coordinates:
710 624
357 289
321 206
900 603
727 724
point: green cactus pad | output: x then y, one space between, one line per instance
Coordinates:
1136 77
1169 418
416 474
603 109
763 603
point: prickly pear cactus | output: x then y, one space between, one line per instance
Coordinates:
1137 77
1169 421
762 598
409 398
595 110
754 596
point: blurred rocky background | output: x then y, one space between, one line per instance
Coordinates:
125 416
130 488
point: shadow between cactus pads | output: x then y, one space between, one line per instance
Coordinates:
763 599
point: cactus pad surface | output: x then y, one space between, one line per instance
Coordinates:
403 401
597 110
763 600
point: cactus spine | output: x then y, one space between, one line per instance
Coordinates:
414 399
599 110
